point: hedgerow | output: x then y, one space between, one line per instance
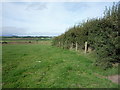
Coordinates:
102 35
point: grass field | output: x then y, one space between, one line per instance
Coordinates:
45 66
24 40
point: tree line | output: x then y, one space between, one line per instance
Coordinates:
101 34
26 36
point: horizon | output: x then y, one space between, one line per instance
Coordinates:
27 36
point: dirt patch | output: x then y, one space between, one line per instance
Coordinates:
114 78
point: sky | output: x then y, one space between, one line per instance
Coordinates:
46 18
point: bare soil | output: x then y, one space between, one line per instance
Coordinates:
114 78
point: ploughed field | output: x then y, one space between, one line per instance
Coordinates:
45 66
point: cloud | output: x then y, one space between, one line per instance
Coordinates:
12 31
47 18
36 6
43 34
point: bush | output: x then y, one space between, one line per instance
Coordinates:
101 34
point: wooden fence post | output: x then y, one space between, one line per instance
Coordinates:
71 46
76 46
85 47
59 44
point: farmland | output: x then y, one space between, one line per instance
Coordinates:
41 65
24 40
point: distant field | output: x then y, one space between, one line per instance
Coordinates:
24 40
45 66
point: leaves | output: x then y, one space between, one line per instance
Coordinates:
101 34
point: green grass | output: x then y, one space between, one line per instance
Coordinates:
45 66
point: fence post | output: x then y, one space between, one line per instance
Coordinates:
85 47
71 46
76 46
59 44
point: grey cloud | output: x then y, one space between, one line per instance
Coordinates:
37 6
9 31
44 33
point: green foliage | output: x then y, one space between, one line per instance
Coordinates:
101 34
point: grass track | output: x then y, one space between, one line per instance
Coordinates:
45 66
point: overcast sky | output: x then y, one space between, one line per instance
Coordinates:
47 18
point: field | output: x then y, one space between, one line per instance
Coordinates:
23 40
44 66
